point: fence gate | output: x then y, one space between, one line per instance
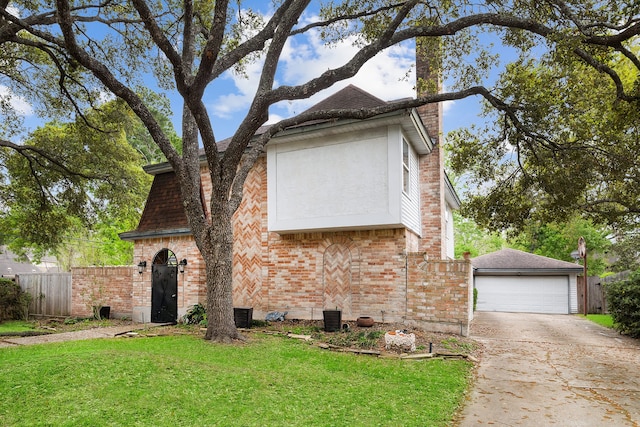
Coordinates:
50 293
596 294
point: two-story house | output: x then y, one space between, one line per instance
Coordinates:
337 214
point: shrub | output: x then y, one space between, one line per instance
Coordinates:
14 303
475 298
196 315
623 300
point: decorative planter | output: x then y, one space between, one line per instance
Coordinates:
332 320
365 321
243 316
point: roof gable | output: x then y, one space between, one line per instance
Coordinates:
515 260
348 98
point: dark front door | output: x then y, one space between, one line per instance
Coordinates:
164 293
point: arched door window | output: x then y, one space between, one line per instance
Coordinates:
164 287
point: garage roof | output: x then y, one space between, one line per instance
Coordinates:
512 261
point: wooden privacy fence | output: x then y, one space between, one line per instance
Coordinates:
50 293
597 301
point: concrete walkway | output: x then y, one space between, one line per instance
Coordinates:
543 370
86 334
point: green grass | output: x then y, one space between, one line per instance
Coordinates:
14 326
185 381
601 319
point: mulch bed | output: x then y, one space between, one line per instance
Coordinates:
439 343
355 338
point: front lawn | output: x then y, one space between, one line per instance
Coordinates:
186 381
601 319
16 326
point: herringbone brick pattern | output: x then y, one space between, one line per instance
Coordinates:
337 278
247 248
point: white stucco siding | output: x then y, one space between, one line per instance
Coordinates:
333 180
341 183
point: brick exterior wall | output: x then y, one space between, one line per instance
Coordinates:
432 199
102 286
191 284
364 272
432 166
359 272
439 294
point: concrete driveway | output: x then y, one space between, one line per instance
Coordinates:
540 370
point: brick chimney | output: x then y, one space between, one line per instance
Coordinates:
432 175
428 82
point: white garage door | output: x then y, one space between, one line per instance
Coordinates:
526 294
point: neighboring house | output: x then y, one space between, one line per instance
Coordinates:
348 214
11 264
514 281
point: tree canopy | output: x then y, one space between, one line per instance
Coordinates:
566 143
63 55
52 205
559 240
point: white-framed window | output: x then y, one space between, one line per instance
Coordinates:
405 166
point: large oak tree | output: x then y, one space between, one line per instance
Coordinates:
74 50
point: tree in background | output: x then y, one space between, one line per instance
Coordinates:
566 142
80 50
559 240
553 240
468 237
47 209
625 253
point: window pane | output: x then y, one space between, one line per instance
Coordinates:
405 166
405 153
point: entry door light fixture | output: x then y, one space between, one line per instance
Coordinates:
181 265
142 265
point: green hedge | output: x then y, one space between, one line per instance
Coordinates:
623 301
14 304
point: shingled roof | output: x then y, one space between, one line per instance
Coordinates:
163 213
512 260
349 97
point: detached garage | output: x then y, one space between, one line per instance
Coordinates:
515 281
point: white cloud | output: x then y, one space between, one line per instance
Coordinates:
274 118
18 103
389 75
12 10
385 76
105 97
226 105
447 106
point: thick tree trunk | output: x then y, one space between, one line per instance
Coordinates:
219 280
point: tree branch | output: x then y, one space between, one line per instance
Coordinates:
101 72
27 152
